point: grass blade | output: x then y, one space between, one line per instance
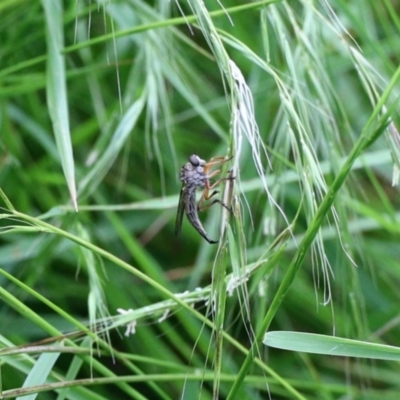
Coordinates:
330 345
57 91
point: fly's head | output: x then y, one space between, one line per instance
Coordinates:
196 161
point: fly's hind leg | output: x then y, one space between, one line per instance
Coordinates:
207 196
208 187
214 202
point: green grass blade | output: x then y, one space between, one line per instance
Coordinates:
330 345
39 373
57 102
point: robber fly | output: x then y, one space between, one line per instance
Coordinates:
196 174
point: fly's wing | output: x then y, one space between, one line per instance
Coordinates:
179 214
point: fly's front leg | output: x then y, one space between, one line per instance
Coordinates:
215 161
218 160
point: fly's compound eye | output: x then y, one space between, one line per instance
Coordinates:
194 160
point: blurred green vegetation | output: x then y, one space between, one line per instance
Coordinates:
101 103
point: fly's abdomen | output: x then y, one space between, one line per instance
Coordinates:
192 214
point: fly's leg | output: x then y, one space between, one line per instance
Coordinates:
214 202
206 196
206 193
208 187
217 161
214 161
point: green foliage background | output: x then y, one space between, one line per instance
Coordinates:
100 105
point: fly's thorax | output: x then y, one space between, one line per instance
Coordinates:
192 175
